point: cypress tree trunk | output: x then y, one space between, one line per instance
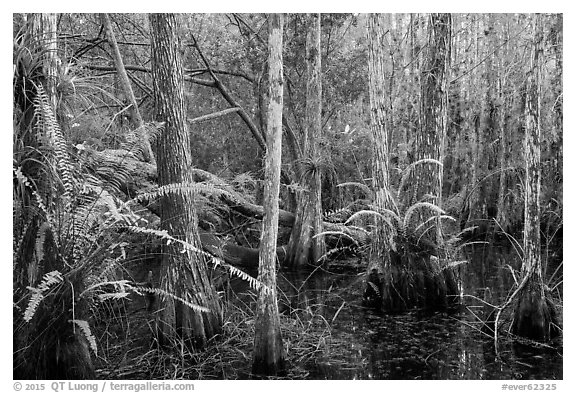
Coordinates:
433 109
535 316
404 273
49 346
303 247
268 351
379 268
184 274
502 216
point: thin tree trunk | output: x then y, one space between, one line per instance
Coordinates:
534 316
304 246
380 247
135 116
502 184
184 273
268 349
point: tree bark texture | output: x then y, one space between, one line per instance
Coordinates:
184 274
48 346
135 115
268 350
303 247
48 33
380 247
534 316
433 109
504 101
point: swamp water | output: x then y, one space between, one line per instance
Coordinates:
415 345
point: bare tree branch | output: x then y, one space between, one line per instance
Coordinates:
224 91
213 115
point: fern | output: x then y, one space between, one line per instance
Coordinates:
335 215
374 287
161 292
410 168
51 129
191 189
340 233
412 209
135 138
162 234
433 218
367 190
362 213
26 182
37 294
85 329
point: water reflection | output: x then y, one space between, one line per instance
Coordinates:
415 345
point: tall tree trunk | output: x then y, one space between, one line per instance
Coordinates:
135 115
48 346
183 272
502 217
400 275
268 349
534 315
380 247
48 32
488 117
434 113
304 247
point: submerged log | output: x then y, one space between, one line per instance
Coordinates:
234 254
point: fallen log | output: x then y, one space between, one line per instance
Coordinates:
234 254
138 177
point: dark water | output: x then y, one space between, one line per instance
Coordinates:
415 345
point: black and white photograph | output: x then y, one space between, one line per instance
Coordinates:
287 196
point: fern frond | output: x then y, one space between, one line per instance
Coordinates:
433 218
191 189
18 239
367 232
333 251
102 297
333 215
122 284
51 128
408 170
254 283
412 209
135 138
367 190
162 234
26 182
85 329
161 292
40 241
363 213
374 287
49 279
341 233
